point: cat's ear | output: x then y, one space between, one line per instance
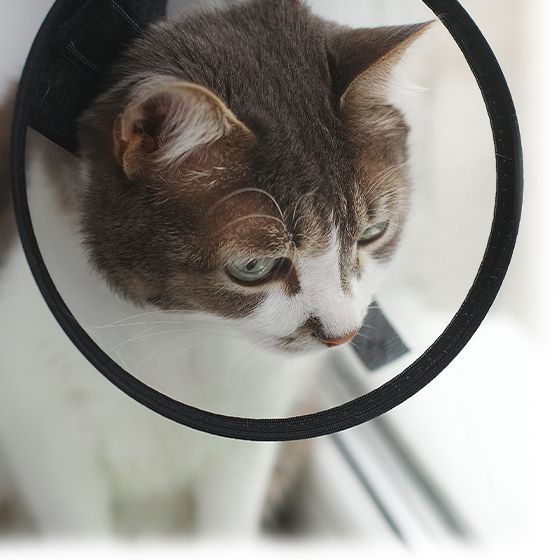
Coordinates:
169 121
362 60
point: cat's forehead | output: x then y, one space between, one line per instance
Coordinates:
242 210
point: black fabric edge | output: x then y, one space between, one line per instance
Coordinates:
499 250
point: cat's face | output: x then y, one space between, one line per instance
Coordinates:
276 203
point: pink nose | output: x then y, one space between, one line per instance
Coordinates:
332 342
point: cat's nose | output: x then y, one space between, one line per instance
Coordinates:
332 342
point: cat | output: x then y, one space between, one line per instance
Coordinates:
244 174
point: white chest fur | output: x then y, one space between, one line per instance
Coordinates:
81 451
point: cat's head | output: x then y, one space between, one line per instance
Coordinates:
249 164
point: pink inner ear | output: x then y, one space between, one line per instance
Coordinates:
153 115
139 132
146 143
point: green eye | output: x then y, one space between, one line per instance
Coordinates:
254 270
374 232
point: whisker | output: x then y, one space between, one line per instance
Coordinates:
144 335
369 327
241 191
361 335
242 218
186 321
129 317
177 340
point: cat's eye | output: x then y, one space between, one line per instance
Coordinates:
253 270
373 232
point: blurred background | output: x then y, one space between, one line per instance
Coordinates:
470 457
